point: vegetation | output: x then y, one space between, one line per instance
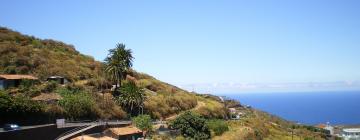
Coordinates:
143 122
191 125
218 127
22 54
118 62
77 105
14 108
212 109
132 96
88 95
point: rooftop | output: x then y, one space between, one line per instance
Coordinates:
55 77
17 76
125 130
89 137
351 130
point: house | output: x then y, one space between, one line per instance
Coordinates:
124 133
14 80
59 79
350 133
235 114
329 128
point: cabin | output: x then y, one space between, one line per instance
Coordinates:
14 80
125 133
59 79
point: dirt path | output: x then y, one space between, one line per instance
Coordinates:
198 106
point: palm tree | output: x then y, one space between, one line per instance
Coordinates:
131 96
118 61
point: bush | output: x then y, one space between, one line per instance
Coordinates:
50 86
28 88
143 122
218 126
191 125
15 107
78 105
108 109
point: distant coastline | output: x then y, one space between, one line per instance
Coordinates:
336 107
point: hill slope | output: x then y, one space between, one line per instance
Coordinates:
88 97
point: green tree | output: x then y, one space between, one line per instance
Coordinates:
143 122
191 125
118 62
77 105
131 97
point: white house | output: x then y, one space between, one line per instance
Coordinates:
329 128
350 133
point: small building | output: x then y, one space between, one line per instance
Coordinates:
124 133
329 128
235 114
59 79
13 80
350 133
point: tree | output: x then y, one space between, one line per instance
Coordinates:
131 96
191 125
143 122
118 61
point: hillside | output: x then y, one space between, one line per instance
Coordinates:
88 94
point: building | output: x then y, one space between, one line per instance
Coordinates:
235 114
329 128
58 79
350 133
124 133
14 80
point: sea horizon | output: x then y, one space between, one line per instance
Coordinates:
305 107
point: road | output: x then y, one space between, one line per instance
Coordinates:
28 127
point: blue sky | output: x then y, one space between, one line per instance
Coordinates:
243 45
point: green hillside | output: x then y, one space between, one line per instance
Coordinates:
88 96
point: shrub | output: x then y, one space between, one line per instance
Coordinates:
78 105
143 122
131 97
54 110
218 126
50 86
191 125
15 107
108 109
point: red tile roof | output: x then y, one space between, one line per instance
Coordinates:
125 130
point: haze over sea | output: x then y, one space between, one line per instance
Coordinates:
307 107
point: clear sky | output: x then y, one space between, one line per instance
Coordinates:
259 45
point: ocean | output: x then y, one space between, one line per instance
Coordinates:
307 107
